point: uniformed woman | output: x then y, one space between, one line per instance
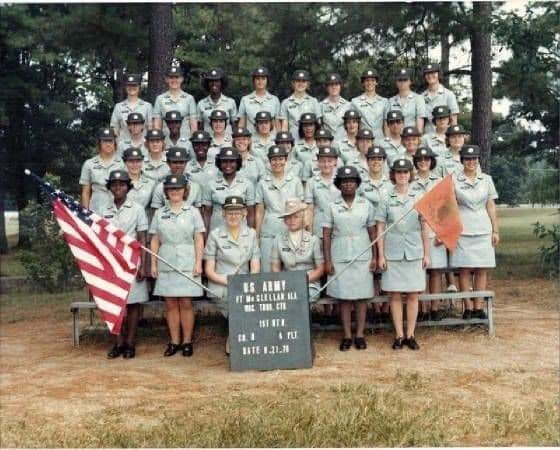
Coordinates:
435 139
410 138
424 180
306 147
392 143
230 250
177 236
348 229
334 106
450 160
220 138
142 187
372 107
135 124
177 158
215 82
175 99
323 138
262 138
200 168
251 167
437 95
375 186
95 171
298 103
174 122
132 103
257 101
130 217
285 140
272 192
228 182
404 252
298 249
155 165
475 252
364 141
411 104
347 149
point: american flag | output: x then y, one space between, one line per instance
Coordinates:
107 257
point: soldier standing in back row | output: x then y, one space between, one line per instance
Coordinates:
333 107
411 104
215 82
437 95
132 104
373 107
175 99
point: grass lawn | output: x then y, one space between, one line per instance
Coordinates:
10 266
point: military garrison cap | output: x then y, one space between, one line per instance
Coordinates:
177 154
323 134
135 118
402 164
132 78
333 78
283 136
369 73
218 114
132 154
376 152
277 151
395 115
214 74
364 133
441 111
403 74
173 116
351 114
470 151
175 181
118 175
301 75
155 135
347 173
428 68
228 153
308 118
240 132
410 131
260 72
455 129
105 134
327 152
233 202
174 71
263 116
201 136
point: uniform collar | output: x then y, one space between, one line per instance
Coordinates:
341 101
297 100
253 96
182 94
439 91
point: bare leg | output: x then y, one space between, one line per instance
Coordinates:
480 280
361 310
133 314
411 313
346 318
465 285
397 314
173 321
435 286
186 314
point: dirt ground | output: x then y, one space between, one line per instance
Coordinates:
43 376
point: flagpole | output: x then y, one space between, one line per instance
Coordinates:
353 260
198 283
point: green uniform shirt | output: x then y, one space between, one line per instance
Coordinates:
332 116
472 196
413 107
95 172
260 146
207 105
156 170
292 108
252 104
185 104
443 97
121 112
373 111
194 198
321 194
201 174
142 190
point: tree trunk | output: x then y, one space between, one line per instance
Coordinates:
445 50
162 40
481 80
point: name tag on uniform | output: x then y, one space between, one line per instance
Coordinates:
465 187
109 216
270 188
195 170
220 188
168 102
98 166
286 249
292 106
207 108
166 217
341 210
226 247
393 205
368 189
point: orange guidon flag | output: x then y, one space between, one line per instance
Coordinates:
439 208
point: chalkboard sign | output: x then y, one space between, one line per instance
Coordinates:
269 325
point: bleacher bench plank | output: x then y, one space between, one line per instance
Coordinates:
202 303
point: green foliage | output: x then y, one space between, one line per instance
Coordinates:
550 249
46 257
509 175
